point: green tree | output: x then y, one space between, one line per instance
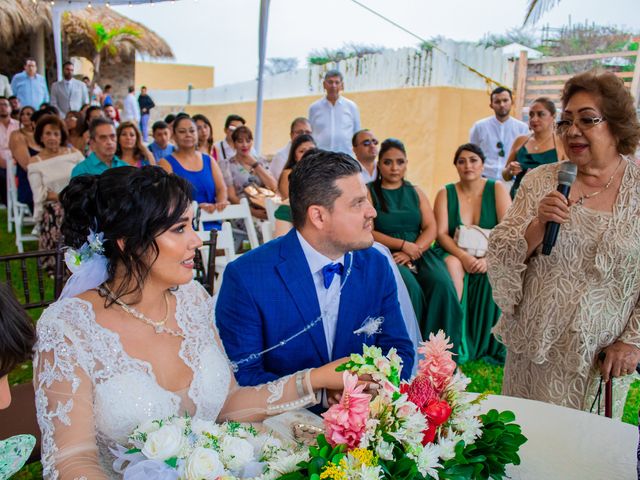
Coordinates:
107 42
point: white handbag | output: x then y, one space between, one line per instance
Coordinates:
473 239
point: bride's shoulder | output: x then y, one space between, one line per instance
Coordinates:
66 313
193 293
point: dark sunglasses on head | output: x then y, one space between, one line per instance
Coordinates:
500 147
368 143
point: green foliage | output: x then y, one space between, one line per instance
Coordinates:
107 39
487 457
321 454
350 50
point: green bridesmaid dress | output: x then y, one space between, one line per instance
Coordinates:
431 289
479 310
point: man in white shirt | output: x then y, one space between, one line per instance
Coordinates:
131 110
300 126
5 87
365 147
495 135
69 94
334 119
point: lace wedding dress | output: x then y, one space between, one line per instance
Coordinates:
91 394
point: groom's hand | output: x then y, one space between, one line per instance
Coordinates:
334 396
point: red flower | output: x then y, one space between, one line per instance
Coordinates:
437 412
421 391
429 434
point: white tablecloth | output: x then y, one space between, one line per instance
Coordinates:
567 444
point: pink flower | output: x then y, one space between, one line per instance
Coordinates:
438 362
345 422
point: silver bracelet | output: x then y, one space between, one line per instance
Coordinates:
299 383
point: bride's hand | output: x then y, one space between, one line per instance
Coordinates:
326 376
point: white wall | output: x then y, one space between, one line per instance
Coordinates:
406 67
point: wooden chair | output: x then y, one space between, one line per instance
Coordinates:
18 214
30 289
204 271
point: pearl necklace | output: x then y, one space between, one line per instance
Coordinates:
581 200
159 327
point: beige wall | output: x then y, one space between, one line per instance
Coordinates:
431 121
172 76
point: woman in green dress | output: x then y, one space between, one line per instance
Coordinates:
473 200
539 148
405 224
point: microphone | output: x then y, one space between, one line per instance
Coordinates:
566 177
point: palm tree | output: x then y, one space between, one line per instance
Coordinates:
536 8
108 42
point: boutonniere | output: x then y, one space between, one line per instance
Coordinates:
371 326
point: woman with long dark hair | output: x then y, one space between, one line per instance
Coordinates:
133 337
405 224
299 146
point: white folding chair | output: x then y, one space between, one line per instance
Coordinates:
268 226
225 236
18 214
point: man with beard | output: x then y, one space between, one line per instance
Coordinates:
69 94
318 293
495 134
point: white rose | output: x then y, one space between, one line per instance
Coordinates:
203 464
199 427
236 453
148 427
164 443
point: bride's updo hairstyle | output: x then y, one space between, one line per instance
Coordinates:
134 205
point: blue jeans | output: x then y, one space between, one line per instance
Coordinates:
144 126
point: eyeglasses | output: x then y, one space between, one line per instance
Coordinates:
500 147
583 123
368 143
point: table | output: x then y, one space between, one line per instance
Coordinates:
568 444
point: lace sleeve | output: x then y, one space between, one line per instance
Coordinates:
253 404
507 254
64 401
631 332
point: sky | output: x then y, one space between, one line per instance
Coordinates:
224 33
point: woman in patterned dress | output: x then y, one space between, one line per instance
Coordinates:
560 311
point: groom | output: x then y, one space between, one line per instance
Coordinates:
318 293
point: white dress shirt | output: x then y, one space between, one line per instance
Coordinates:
279 160
5 87
487 133
328 298
369 177
333 125
131 109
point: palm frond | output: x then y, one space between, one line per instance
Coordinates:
536 8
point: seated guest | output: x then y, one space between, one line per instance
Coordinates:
15 107
205 135
199 169
225 146
244 169
405 224
299 126
17 337
299 146
73 123
539 148
90 114
169 119
102 141
473 200
49 172
161 147
317 286
130 148
365 148
23 147
111 113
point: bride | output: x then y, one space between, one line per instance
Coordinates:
133 336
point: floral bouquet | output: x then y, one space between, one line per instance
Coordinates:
182 448
427 428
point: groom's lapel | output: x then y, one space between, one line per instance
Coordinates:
354 294
295 274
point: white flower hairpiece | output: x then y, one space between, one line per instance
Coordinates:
87 264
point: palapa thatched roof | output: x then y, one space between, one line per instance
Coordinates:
23 17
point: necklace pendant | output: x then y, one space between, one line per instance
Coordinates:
158 328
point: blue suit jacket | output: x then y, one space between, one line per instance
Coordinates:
268 295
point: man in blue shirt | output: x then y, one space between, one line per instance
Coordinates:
161 146
102 140
29 86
